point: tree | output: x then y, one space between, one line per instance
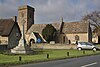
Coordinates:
49 33
94 19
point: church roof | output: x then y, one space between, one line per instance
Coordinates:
36 28
67 27
56 25
6 26
39 27
75 27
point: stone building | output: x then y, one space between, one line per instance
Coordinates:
26 14
36 31
68 32
9 32
75 31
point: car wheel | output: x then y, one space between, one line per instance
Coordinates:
94 49
79 48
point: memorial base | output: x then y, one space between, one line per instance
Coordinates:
21 49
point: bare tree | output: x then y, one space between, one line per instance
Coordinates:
94 19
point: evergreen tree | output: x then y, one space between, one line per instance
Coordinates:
49 33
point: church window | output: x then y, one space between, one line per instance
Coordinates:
76 37
64 39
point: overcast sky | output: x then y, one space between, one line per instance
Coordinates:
47 11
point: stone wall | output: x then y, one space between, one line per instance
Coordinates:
3 40
52 46
82 37
71 37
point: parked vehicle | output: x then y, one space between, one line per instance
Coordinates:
86 45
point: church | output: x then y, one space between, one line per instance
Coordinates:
67 32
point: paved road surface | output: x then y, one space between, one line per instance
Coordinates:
89 61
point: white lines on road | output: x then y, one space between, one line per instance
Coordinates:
89 64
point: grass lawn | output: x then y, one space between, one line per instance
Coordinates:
42 56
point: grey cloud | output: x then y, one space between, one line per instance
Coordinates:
56 9
8 8
52 10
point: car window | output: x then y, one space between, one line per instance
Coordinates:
82 43
89 43
85 43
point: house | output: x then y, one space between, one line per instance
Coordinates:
9 32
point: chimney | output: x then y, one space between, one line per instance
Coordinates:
14 18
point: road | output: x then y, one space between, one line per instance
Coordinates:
88 61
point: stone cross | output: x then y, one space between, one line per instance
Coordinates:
23 35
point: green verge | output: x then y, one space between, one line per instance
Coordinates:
41 55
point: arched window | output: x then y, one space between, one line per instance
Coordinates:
77 38
69 41
64 39
31 42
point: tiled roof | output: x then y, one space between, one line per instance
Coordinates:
36 28
56 25
68 27
75 27
6 26
39 27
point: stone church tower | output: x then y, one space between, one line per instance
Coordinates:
25 15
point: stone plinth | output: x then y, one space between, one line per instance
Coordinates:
22 47
21 50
